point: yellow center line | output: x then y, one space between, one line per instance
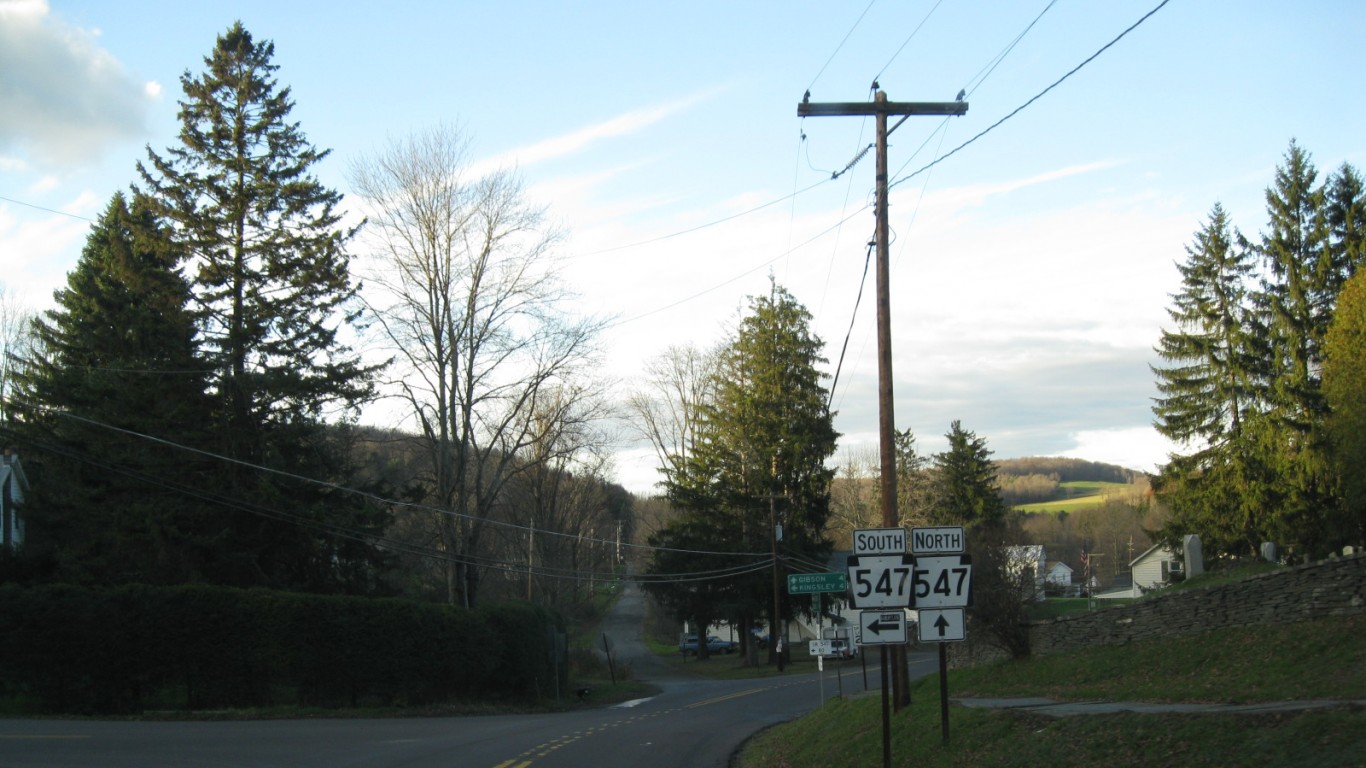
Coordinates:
727 697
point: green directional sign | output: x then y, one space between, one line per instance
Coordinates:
811 583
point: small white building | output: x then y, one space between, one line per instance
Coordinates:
1057 575
12 487
1151 570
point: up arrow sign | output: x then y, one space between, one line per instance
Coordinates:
941 624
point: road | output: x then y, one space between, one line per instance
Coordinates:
692 723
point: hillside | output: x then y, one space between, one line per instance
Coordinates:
1038 479
1322 659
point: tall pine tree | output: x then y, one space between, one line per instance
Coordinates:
1299 295
111 405
762 448
273 290
1244 383
1214 389
965 482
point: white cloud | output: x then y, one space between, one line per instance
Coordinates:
576 141
65 98
36 254
1140 448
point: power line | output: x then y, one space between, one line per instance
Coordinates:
49 210
1037 96
365 495
746 273
991 66
867 259
909 37
841 45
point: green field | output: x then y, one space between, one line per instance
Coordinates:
1078 495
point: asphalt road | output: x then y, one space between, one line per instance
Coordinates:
692 723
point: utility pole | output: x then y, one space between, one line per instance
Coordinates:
880 108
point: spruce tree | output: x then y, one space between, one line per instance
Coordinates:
762 448
965 478
1214 390
1304 276
1214 358
1242 385
273 291
115 407
1300 289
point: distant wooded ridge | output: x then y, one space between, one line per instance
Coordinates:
1037 478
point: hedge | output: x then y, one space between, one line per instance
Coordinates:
126 649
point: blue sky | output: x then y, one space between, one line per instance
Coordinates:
1030 271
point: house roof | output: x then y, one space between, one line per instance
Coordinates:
12 479
1152 549
1055 563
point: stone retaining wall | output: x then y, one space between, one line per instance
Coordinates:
1333 587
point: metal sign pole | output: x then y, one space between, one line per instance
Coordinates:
886 716
944 690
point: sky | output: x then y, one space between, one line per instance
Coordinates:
1031 269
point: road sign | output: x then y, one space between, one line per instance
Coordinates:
811 583
942 625
883 627
943 582
880 581
821 648
941 540
879 541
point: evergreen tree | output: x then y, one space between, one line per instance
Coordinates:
913 493
272 290
1214 388
1345 200
1344 384
1300 292
1301 287
762 446
117 383
965 479
1215 369
1244 386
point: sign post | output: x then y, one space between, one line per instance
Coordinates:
943 588
880 577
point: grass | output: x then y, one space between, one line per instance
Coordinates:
1078 495
1323 659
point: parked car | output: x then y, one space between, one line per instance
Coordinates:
688 645
840 648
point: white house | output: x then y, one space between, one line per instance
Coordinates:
12 487
1058 575
1153 569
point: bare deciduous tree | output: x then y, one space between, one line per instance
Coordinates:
469 299
16 339
668 409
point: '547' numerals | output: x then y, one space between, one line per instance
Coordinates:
950 582
889 582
